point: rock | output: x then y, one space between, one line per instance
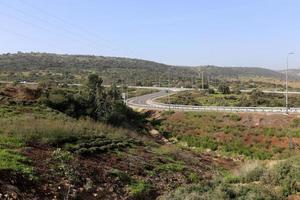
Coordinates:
88 184
154 132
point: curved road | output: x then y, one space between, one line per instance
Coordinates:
148 102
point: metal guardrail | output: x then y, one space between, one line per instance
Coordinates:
150 103
215 108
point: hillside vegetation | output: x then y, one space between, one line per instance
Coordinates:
75 68
47 154
237 72
56 144
255 98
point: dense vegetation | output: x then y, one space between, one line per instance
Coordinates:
230 134
252 181
69 142
236 72
267 145
224 98
41 67
76 68
46 153
94 101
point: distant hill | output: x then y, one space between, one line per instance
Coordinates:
22 61
75 68
292 72
236 72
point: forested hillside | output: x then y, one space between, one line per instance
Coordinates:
39 67
237 72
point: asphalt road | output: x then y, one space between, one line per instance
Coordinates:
148 102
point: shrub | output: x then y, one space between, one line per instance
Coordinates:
201 142
235 117
224 89
140 190
193 177
122 176
253 174
171 167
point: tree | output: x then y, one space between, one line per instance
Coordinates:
98 107
224 89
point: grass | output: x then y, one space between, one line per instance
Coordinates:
22 126
134 92
254 180
231 134
12 160
171 167
200 98
120 175
140 189
199 142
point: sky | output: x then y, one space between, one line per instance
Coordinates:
247 33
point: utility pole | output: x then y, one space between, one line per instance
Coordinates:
199 76
286 83
202 79
169 90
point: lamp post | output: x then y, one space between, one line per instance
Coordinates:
286 82
169 89
200 74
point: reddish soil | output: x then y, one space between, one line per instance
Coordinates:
92 179
20 93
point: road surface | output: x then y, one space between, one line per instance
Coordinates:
148 102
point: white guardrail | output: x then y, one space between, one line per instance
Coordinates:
214 108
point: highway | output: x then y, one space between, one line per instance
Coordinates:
148 102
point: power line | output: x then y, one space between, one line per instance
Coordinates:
36 26
20 35
75 36
87 32
81 29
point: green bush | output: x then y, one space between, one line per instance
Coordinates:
140 190
235 117
171 167
201 142
253 175
224 89
122 176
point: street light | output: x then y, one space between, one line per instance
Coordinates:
286 82
202 77
169 89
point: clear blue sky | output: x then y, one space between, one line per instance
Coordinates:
181 32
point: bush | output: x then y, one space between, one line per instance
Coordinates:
201 142
122 176
224 89
211 91
140 190
235 117
171 167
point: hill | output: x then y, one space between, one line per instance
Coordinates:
75 68
292 72
237 72
21 61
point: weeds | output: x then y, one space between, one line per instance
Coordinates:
140 190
